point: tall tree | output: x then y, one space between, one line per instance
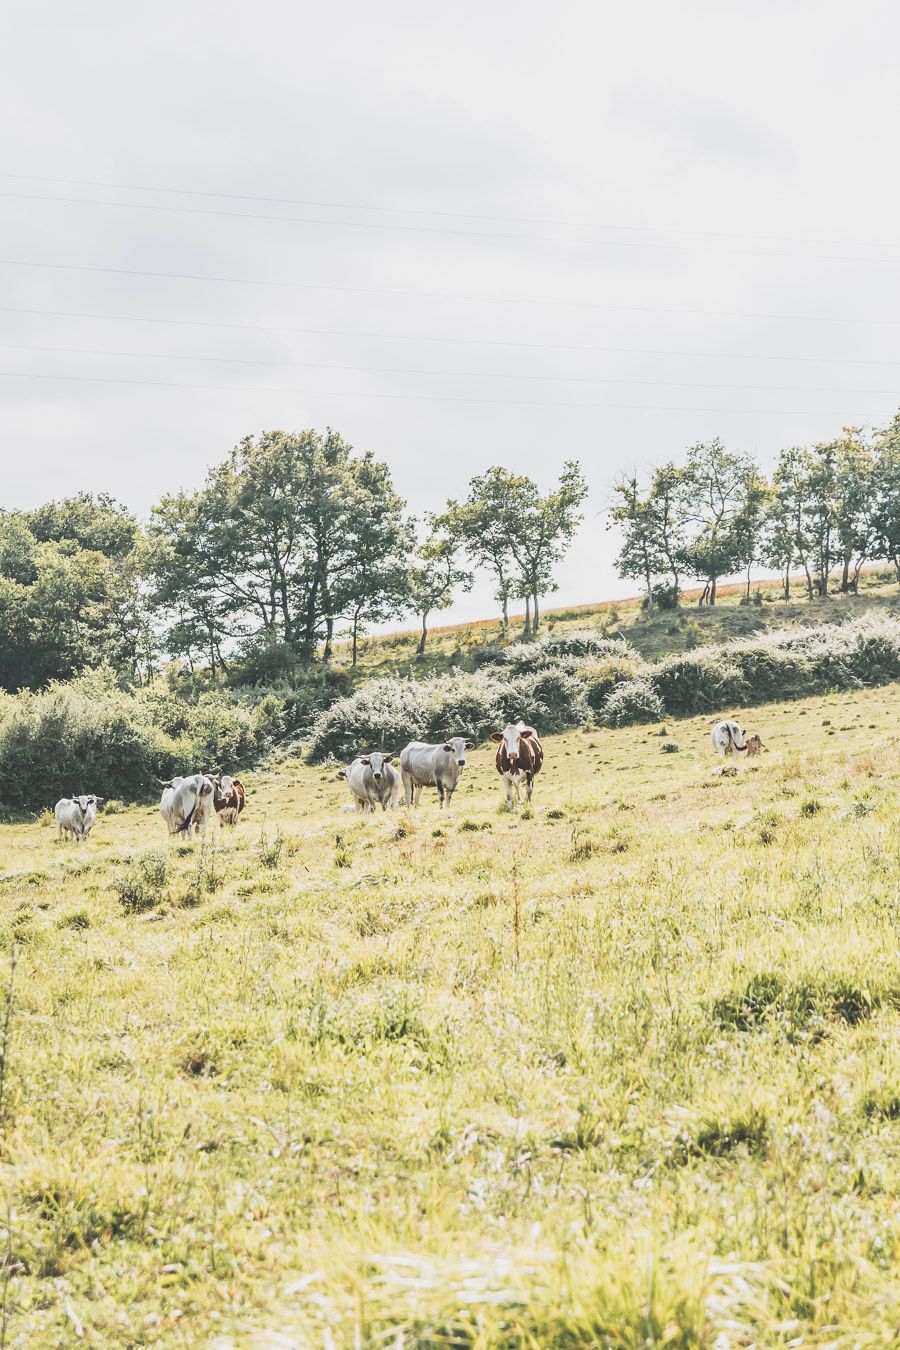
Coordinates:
275 537
716 487
886 494
434 580
483 523
541 530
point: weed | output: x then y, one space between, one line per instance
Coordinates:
143 882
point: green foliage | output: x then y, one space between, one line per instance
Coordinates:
631 701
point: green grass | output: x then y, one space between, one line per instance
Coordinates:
621 1073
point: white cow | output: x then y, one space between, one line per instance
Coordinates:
75 816
187 803
423 765
373 781
727 737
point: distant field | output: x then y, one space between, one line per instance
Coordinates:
624 1072
655 636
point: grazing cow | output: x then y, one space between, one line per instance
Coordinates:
727 737
754 746
519 758
439 766
75 816
228 799
373 781
187 803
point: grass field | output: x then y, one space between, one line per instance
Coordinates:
623 1071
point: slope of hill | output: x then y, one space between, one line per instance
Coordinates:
619 1070
654 636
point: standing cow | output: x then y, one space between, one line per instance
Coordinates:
187 803
373 781
728 737
228 799
519 758
439 766
75 816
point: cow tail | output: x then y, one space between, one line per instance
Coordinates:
186 823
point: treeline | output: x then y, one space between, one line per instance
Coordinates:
291 542
826 511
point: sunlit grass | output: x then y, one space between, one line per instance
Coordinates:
623 1072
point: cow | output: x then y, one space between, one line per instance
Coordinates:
75 816
423 765
228 799
728 737
187 803
519 758
754 746
373 781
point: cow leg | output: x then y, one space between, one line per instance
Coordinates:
507 784
417 793
529 786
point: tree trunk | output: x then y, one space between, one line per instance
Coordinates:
528 616
809 582
712 591
355 637
748 586
329 633
845 575
420 650
787 582
536 618
505 620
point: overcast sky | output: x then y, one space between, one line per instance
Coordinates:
482 233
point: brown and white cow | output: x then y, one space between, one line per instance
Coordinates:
229 799
519 758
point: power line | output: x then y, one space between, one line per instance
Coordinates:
438 295
419 211
449 374
437 229
456 341
411 398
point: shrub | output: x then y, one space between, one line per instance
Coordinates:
600 675
702 681
143 881
631 701
551 700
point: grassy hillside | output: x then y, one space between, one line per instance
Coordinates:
620 1071
653 636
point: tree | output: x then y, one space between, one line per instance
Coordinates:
99 524
541 530
885 510
653 528
483 523
717 482
435 579
274 541
854 502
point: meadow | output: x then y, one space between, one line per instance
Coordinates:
622 1069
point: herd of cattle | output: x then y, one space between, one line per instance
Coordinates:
187 804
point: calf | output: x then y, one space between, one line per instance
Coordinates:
228 799
187 803
754 746
439 766
75 816
373 781
727 737
519 758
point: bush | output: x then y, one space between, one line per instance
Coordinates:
143 881
600 675
551 700
632 701
701 681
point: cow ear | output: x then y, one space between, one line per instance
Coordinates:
496 735
470 745
387 758
447 746
98 800
525 733
364 759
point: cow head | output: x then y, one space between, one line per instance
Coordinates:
511 738
376 762
86 800
457 747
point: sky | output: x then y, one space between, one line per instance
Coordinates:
462 235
